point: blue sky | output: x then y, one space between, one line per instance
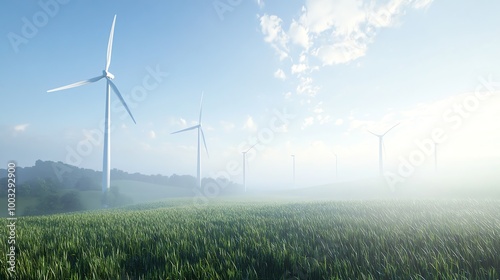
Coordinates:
339 68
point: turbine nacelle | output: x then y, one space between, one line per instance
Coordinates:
108 75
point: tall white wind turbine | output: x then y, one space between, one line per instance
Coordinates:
244 165
109 85
380 145
200 131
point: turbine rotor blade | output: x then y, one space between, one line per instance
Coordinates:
115 89
374 133
186 129
110 45
251 147
390 129
204 142
77 84
201 107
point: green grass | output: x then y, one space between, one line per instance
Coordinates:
265 240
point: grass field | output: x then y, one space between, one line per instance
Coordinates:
265 240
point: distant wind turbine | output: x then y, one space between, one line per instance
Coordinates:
244 166
380 144
200 131
293 156
109 84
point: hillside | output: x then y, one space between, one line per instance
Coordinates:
54 187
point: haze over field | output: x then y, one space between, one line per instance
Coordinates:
308 78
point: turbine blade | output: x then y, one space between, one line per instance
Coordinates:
205 143
251 147
383 148
77 84
374 133
186 129
115 89
110 45
390 129
201 107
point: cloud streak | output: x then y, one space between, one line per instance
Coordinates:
21 127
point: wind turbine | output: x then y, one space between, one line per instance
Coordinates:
200 131
244 161
109 85
380 144
293 156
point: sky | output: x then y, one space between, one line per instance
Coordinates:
309 78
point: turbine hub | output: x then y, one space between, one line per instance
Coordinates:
108 75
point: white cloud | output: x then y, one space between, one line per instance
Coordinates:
250 124
306 86
340 30
298 68
21 127
302 58
299 35
260 3
152 134
280 74
227 126
281 129
178 122
322 119
307 122
274 34
421 4
319 108
341 52
357 124
344 16
339 122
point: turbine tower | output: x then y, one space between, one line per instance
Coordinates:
109 85
380 145
200 131
244 161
